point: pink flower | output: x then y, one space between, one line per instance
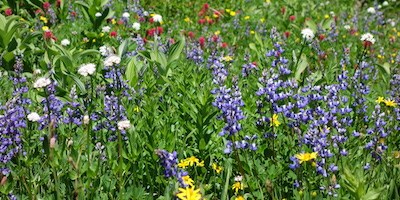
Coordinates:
8 12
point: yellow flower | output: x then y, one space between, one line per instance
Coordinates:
215 15
239 197
227 58
252 32
232 13
136 109
237 186
314 194
390 103
274 121
113 21
187 180
44 19
304 157
262 20
192 160
183 164
187 19
217 32
101 34
200 164
228 10
45 28
217 168
326 16
268 1
189 193
247 17
380 100
380 56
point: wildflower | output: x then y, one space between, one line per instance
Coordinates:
106 51
86 119
65 42
304 157
183 164
368 39
371 10
87 69
123 125
41 82
126 15
192 160
33 117
187 19
380 100
45 28
187 180
46 5
239 198
136 109
274 121
347 27
105 29
8 12
326 16
246 17
111 60
189 193
113 34
390 103
385 3
227 58
136 26
232 13
98 14
237 186
292 17
307 34
217 168
44 19
238 178
48 34
157 18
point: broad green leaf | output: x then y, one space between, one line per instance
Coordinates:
302 65
176 50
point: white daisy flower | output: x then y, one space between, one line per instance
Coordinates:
33 117
123 125
307 34
87 69
41 82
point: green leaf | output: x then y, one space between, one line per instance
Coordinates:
302 65
176 49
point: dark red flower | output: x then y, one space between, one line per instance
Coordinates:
48 35
286 34
151 20
321 37
215 38
191 34
46 5
202 21
202 41
113 33
224 45
8 12
292 17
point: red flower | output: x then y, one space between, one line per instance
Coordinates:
191 34
286 34
202 41
73 14
120 22
206 6
367 43
160 30
215 38
8 12
58 3
171 41
283 10
210 21
202 21
292 17
254 63
113 34
224 45
48 35
321 37
38 11
46 5
151 20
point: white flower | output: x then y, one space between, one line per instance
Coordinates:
37 71
86 119
368 37
371 10
33 117
126 15
123 125
347 27
145 13
307 34
41 82
385 3
87 69
238 178
105 51
65 42
98 14
112 60
157 18
105 29
136 26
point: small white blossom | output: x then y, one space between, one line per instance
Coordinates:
65 42
37 71
307 34
106 51
87 69
385 3
112 60
368 37
371 10
126 15
33 117
86 119
98 14
347 27
157 18
41 82
238 178
136 26
123 125
145 13
105 29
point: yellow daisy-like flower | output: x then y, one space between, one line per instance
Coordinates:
183 164
326 16
200 164
44 19
262 20
237 186
45 28
217 32
239 197
246 17
187 19
192 160
113 21
227 58
217 168
390 103
232 13
304 157
187 180
189 193
252 32
380 100
136 109
274 121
